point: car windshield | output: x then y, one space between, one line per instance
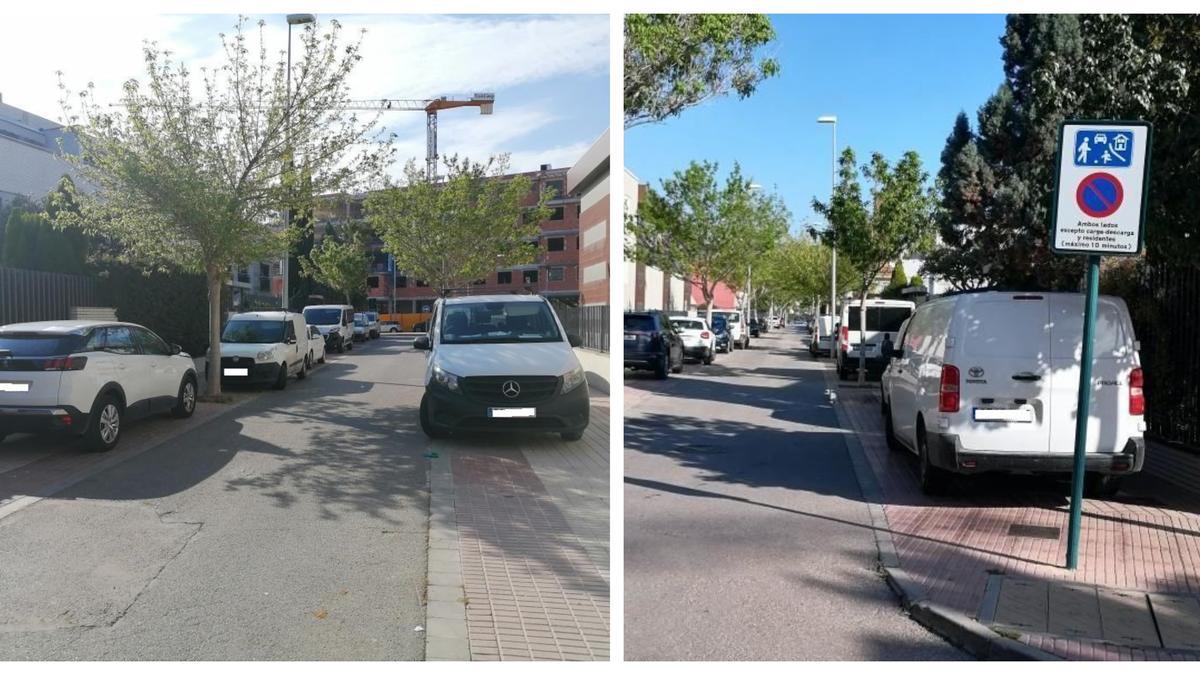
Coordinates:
688 324
322 316
360 322
251 331
639 322
37 344
498 322
881 318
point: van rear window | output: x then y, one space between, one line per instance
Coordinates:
639 322
887 319
1004 328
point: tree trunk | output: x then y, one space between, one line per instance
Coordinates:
862 337
214 332
708 300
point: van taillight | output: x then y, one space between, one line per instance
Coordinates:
948 390
845 338
1137 396
65 363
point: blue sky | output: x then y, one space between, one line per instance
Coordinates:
894 82
550 73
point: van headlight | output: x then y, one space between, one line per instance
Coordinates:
445 378
263 356
573 379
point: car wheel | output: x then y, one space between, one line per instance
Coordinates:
303 370
660 369
431 430
1101 485
185 405
104 427
575 435
322 359
708 357
281 379
341 347
679 368
933 479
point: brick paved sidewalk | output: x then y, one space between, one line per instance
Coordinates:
519 550
1141 540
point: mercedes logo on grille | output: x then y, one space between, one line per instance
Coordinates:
511 389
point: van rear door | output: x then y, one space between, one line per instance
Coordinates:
1109 422
1004 378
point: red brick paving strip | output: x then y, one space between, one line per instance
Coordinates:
533 591
949 546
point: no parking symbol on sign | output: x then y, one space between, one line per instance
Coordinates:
1100 211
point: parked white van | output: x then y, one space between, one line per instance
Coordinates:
264 347
884 318
820 335
500 362
336 323
988 381
739 333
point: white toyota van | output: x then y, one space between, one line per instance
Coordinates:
989 381
501 362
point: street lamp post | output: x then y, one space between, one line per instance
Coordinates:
292 20
832 121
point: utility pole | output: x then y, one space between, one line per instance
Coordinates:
832 120
285 266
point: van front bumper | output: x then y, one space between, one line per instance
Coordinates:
560 412
945 452
40 419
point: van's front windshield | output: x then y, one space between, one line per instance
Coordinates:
323 316
498 322
256 331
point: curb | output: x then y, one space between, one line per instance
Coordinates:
445 610
952 625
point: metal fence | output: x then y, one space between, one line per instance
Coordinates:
1167 321
590 322
28 295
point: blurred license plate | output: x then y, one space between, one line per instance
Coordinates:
512 412
237 372
14 387
1003 415
630 337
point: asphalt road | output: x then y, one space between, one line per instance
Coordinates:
292 526
746 537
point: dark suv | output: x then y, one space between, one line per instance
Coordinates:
652 344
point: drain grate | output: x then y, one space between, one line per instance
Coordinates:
1033 531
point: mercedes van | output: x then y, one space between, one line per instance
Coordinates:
989 381
501 362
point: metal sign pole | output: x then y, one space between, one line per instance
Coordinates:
1081 419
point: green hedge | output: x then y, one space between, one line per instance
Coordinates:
173 305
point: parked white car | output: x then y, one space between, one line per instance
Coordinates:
336 323
88 378
739 334
316 346
264 347
820 331
883 322
699 342
501 362
988 381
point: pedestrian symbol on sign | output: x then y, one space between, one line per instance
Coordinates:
1093 148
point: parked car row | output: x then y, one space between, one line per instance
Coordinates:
89 378
661 343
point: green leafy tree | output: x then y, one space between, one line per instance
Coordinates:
199 181
869 231
700 230
796 272
461 229
916 281
676 61
341 263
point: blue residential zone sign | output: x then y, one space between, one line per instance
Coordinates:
1103 147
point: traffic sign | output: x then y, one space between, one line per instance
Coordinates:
1100 212
1099 195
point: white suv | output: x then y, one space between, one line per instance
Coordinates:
88 377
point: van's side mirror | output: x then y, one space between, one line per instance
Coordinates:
421 342
176 349
575 340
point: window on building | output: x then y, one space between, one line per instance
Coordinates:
504 277
556 273
372 282
264 284
557 213
479 282
555 186
401 281
530 277
422 284
264 269
243 275
555 244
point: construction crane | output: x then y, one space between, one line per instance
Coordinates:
431 106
